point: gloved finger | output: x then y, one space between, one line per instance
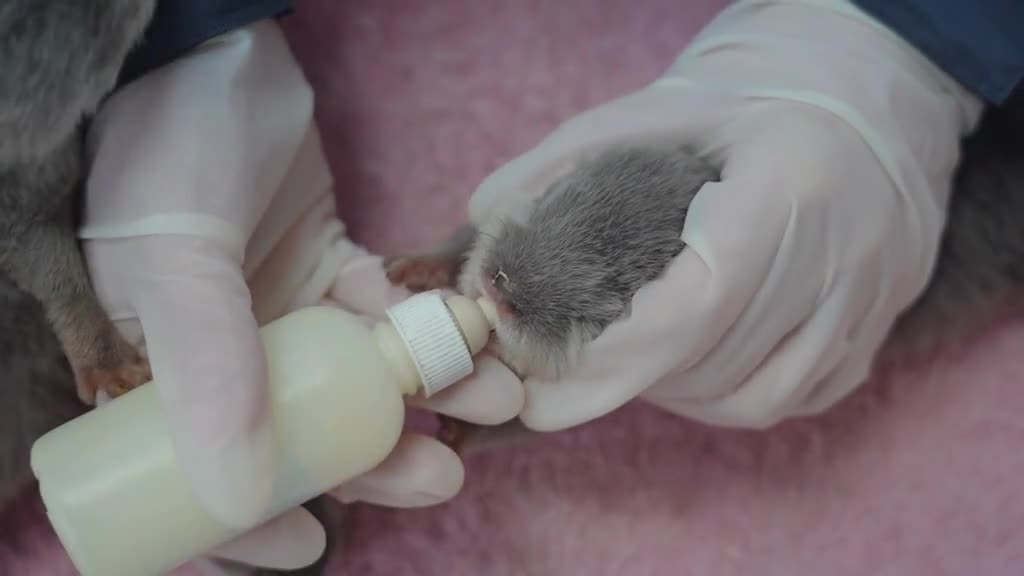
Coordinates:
420 471
292 540
851 371
651 339
760 401
210 371
793 370
204 567
855 366
492 394
653 114
770 199
362 285
769 259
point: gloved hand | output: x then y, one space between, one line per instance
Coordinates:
209 211
837 142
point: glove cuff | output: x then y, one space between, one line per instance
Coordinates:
969 105
830 55
841 38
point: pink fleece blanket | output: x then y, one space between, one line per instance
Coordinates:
919 474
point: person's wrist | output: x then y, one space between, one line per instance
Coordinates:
969 105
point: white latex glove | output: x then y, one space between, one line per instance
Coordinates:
838 142
209 211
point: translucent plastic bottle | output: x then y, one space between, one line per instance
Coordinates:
122 506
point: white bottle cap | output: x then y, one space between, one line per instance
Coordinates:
433 339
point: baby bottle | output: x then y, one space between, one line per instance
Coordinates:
118 499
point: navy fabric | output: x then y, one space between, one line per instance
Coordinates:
180 25
980 43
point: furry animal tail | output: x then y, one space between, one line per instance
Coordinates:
980 266
37 389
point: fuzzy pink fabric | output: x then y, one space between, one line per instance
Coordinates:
919 474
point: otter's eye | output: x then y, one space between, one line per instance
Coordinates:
499 279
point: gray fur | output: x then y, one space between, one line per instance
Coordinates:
37 393
570 267
574 258
980 265
59 59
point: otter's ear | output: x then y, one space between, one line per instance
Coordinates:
509 233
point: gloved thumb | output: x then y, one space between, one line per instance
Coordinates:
210 372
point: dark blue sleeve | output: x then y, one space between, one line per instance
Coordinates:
980 43
180 25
